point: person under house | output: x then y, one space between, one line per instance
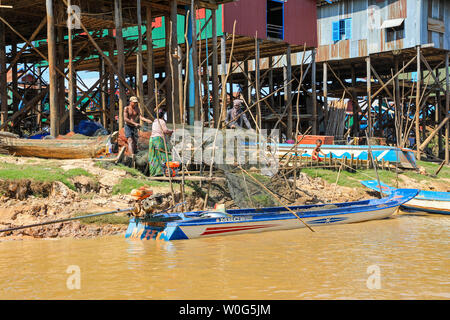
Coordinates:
236 118
316 151
132 117
157 155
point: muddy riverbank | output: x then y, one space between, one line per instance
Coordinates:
37 190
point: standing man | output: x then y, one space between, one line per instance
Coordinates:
236 118
132 117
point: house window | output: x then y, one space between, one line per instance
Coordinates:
275 19
342 29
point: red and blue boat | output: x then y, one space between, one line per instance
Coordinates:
428 201
201 224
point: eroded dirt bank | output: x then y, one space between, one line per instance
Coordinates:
89 187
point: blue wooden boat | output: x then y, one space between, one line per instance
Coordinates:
200 224
428 201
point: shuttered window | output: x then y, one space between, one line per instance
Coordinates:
342 29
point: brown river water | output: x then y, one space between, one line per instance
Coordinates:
409 253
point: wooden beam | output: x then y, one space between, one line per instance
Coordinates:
120 58
287 74
417 113
71 76
214 71
150 62
139 61
52 68
447 105
314 93
369 97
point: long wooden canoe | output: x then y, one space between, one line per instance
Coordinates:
55 148
201 224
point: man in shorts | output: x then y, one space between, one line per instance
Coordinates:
132 117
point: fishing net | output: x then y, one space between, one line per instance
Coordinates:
229 150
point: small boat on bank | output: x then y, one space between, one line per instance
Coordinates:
56 148
200 224
428 201
402 157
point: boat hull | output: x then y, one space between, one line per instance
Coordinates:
403 157
269 219
427 201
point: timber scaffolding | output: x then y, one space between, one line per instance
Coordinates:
99 45
289 87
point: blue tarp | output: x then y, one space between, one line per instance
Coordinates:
87 127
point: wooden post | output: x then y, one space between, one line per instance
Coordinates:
355 103
287 72
325 91
174 47
437 116
257 82
103 89
397 106
112 85
3 81
214 70
150 64
51 68
369 97
139 60
15 104
223 64
60 78
271 87
417 118
194 61
120 58
314 93
447 104
71 74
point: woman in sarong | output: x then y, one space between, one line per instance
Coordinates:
156 146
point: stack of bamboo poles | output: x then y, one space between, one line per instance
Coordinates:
336 118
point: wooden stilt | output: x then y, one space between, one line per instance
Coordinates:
103 89
369 98
325 92
194 61
3 83
315 128
214 70
287 71
112 86
447 105
15 101
71 76
51 68
417 113
150 63
258 82
223 64
139 61
120 58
